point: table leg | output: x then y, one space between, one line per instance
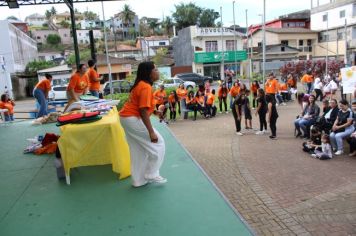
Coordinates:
68 179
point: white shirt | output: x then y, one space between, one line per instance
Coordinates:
326 148
318 84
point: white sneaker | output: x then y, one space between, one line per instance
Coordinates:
260 132
239 133
339 152
284 104
157 180
265 131
220 112
314 155
227 112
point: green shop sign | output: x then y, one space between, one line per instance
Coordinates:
229 56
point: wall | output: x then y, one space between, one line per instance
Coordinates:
66 37
183 50
181 69
320 49
41 35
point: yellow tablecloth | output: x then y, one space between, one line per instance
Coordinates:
98 143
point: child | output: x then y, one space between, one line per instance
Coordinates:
315 141
247 110
172 100
326 151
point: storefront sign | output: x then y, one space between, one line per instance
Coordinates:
229 56
215 32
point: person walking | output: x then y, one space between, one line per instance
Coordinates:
222 96
40 92
272 115
147 146
94 79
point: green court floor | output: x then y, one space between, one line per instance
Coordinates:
34 202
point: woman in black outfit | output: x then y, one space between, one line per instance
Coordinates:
261 111
272 115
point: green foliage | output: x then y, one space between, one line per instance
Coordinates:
50 47
186 14
119 96
160 53
85 55
127 15
53 11
53 39
257 76
167 25
89 15
64 24
12 18
34 66
207 18
48 14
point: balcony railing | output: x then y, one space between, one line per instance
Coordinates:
306 48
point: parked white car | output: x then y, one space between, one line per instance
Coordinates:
175 82
58 92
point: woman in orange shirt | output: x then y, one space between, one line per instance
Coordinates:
254 88
222 96
78 85
160 95
7 103
182 94
41 94
192 103
94 79
172 100
147 147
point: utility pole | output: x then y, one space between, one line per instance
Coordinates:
74 31
235 44
264 42
222 69
114 31
247 44
327 45
345 57
106 51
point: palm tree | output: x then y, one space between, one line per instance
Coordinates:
168 24
53 11
153 25
127 16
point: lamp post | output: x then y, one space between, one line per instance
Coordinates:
222 70
235 44
327 45
106 50
264 41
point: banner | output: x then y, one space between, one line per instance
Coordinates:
348 77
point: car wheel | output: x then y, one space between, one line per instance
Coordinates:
189 87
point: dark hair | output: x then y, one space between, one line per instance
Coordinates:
143 73
48 76
261 91
257 84
334 100
91 63
175 95
3 97
191 93
213 91
326 136
344 102
80 67
247 91
315 130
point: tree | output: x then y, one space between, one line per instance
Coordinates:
48 14
186 15
153 25
160 53
89 15
127 15
53 11
85 55
168 24
13 18
53 39
34 66
207 18
64 24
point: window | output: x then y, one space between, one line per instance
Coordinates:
340 35
259 44
65 35
211 46
230 46
354 9
38 37
309 42
342 14
162 43
300 42
354 32
325 17
284 42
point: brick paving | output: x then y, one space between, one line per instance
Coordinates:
276 187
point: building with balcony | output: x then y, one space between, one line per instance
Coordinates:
65 17
123 29
332 20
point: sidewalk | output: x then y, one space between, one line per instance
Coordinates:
276 187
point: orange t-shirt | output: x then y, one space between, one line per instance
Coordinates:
234 91
307 79
253 88
44 85
211 98
191 100
199 99
140 97
9 106
291 83
93 75
271 86
171 98
159 96
222 93
283 87
78 83
181 93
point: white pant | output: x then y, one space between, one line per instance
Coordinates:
146 157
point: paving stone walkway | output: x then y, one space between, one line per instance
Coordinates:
273 184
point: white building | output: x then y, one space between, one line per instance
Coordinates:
83 36
204 48
36 20
16 50
149 45
330 17
91 24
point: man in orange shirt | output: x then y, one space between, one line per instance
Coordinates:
308 80
78 85
94 79
160 95
271 85
147 147
210 100
41 94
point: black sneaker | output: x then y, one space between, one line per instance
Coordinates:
273 137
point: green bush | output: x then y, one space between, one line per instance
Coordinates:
119 96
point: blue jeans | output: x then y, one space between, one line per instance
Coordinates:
9 117
304 124
94 93
336 139
41 99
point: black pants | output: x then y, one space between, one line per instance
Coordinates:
194 108
263 122
221 100
254 100
352 142
272 125
178 107
284 96
309 86
172 111
237 121
319 93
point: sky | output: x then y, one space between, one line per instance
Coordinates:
162 8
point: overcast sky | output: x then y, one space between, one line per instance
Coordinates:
160 8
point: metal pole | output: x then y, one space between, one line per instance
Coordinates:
106 51
114 31
247 42
74 31
345 57
222 69
327 45
264 42
235 44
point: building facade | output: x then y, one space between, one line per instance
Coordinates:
149 45
41 35
83 36
332 20
36 20
118 26
210 51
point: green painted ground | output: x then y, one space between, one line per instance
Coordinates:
34 202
